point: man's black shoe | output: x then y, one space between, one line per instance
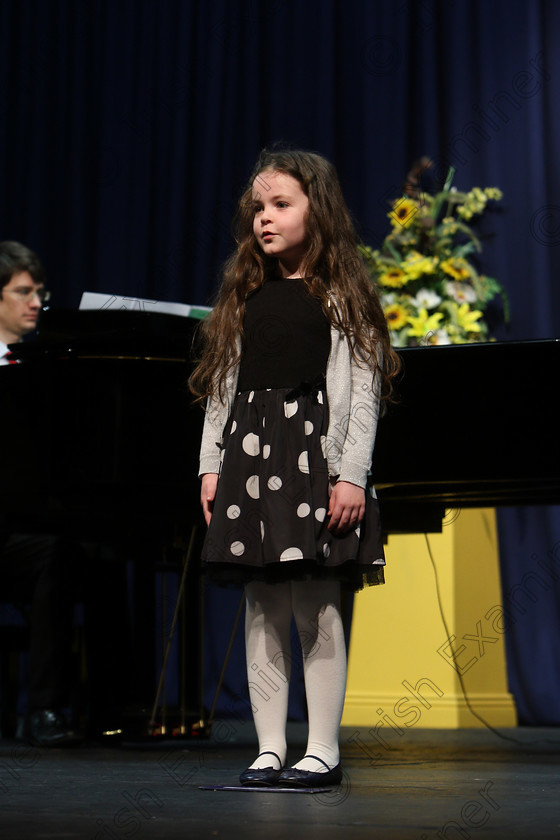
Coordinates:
47 728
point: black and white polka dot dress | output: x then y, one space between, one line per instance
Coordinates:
269 519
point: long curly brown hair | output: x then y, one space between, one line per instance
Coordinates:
332 267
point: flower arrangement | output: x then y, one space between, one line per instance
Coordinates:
430 290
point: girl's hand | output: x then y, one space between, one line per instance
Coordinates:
208 494
347 506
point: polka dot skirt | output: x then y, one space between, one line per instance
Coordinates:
269 520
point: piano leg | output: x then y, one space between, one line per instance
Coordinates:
180 614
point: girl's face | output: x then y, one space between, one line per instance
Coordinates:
280 210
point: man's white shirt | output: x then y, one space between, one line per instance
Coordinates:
3 350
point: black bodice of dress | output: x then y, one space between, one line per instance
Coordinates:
287 337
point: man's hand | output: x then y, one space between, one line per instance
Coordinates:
208 494
347 506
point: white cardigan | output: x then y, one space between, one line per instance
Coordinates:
353 405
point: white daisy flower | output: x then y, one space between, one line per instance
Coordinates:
426 299
461 292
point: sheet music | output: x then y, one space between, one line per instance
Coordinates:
96 300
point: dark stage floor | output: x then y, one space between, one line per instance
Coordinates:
456 785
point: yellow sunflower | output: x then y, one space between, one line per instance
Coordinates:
417 265
403 212
396 316
456 267
394 277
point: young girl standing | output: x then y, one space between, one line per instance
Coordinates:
295 361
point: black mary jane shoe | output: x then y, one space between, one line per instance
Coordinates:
292 777
262 777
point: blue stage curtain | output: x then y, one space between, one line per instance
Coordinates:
129 127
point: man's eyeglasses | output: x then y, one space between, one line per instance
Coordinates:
26 294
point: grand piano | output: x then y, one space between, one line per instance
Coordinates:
101 439
100 446
473 426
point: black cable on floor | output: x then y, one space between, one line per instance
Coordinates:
461 681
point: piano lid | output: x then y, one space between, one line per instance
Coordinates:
109 332
475 425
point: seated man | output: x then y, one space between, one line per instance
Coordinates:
22 293
34 567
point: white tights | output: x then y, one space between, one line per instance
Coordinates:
316 609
